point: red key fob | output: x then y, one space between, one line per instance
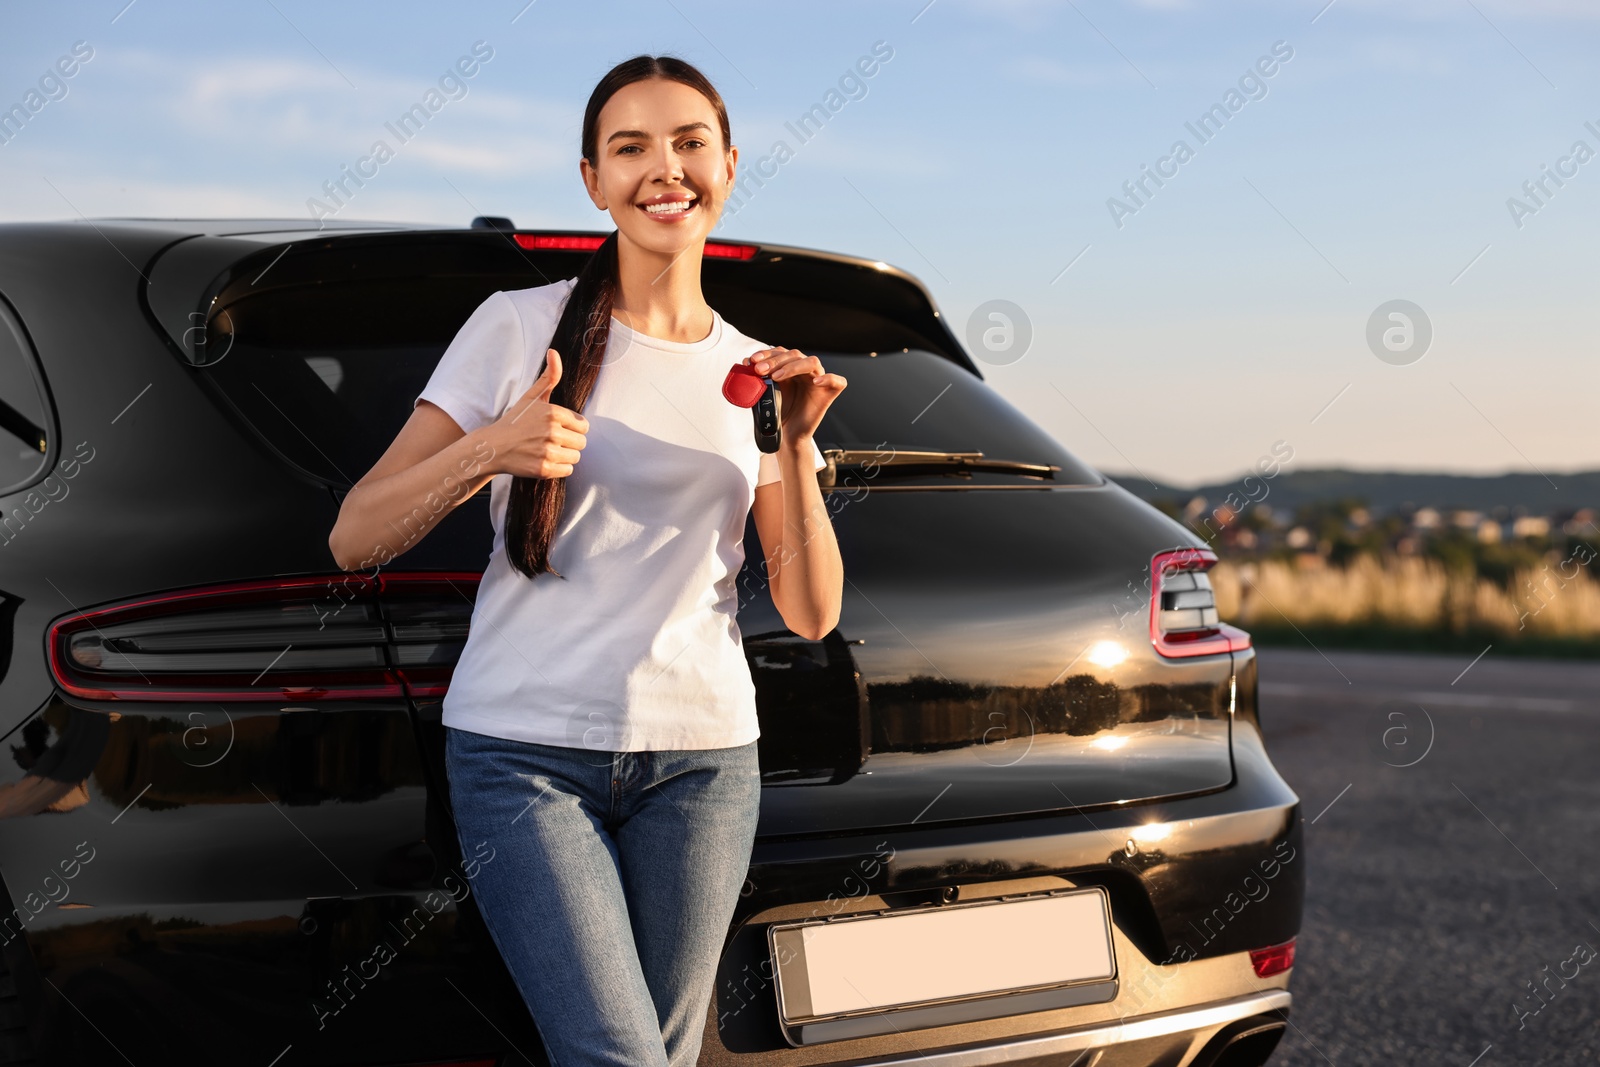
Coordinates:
743 386
748 389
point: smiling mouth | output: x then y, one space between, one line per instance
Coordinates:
672 209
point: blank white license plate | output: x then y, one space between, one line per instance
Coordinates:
873 974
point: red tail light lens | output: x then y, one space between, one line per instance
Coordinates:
1183 608
1274 959
724 250
588 243
564 241
336 637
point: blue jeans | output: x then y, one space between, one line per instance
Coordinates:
614 881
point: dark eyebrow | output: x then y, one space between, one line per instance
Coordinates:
685 128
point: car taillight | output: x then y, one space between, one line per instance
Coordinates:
573 242
1183 608
1274 959
724 250
565 241
291 639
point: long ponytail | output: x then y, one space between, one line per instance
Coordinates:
535 507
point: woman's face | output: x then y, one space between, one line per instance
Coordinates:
659 142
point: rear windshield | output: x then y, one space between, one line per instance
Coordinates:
327 369
918 401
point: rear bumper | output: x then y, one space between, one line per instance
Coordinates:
1190 1037
1189 878
1194 885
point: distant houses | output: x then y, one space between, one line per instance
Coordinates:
1313 533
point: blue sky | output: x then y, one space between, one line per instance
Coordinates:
1227 312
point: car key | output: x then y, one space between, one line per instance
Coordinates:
744 387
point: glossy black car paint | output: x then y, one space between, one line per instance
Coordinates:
250 880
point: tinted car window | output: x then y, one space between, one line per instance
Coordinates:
919 401
23 410
326 368
330 411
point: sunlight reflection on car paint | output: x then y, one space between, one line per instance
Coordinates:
1106 654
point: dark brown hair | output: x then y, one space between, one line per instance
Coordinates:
534 510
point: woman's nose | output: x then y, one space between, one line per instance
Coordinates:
667 165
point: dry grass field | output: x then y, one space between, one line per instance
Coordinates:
1413 601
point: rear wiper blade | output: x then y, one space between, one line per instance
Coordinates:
909 462
21 427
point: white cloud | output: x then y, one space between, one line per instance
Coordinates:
99 195
245 134
492 159
249 78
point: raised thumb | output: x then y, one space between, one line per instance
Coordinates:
547 380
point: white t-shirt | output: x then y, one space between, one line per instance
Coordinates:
638 646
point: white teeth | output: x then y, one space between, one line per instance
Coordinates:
669 208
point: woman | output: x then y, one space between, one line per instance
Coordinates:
601 726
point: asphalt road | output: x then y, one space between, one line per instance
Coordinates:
1452 816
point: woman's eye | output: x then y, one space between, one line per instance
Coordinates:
694 142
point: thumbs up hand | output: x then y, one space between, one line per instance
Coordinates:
535 438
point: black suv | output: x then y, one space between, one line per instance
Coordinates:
1018 802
